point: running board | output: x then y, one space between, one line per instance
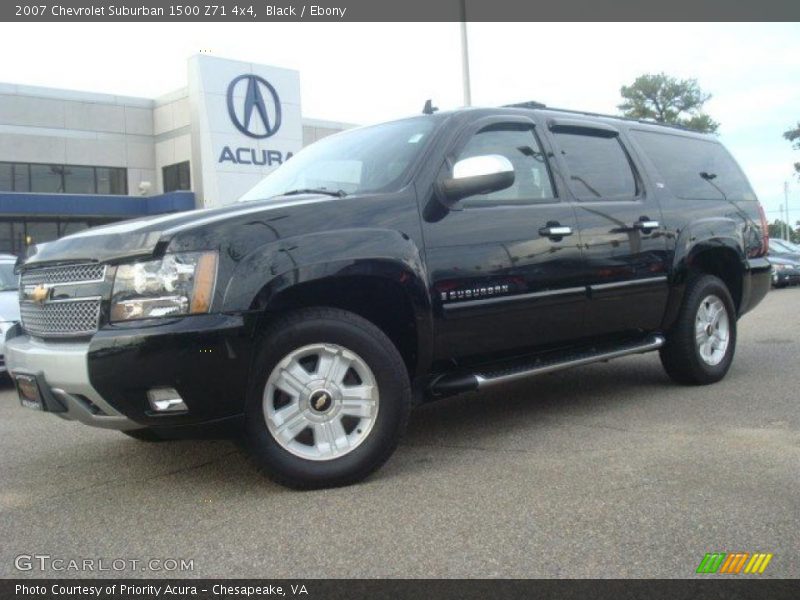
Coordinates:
491 375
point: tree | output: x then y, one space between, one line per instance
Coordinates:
793 135
667 99
778 229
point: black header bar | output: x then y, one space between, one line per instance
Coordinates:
398 10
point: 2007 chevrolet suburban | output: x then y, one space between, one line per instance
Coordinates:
405 261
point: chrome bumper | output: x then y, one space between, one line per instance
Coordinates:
64 367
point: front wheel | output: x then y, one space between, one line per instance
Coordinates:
700 347
328 400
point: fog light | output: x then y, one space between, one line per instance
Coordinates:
166 400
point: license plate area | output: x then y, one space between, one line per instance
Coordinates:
29 392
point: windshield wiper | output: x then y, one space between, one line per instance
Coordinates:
337 193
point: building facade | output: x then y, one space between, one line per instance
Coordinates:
71 160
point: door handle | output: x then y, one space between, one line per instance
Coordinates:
555 231
646 225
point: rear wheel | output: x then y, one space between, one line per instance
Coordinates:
328 400
700 347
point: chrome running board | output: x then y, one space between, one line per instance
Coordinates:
491 375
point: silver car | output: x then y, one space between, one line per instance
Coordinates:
9 302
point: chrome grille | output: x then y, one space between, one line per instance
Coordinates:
65 318
68 274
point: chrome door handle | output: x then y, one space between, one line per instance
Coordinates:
556 231
644 225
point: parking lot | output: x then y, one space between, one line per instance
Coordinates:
606 471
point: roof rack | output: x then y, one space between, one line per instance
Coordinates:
538 105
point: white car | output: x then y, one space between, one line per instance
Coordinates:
9 302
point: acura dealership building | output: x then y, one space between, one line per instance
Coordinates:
70 160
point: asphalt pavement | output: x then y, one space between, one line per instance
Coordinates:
608 470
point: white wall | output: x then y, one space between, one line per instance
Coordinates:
43 125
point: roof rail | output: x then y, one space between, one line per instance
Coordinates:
539 105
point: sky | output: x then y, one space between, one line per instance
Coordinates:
370 72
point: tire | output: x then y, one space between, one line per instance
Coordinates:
343 414
144 435
700 347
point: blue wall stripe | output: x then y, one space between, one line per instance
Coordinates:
79 205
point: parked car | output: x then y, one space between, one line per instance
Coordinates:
785 272
784 249
9 302
395 263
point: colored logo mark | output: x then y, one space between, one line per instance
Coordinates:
734 563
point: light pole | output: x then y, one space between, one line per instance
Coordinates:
788 217
465 56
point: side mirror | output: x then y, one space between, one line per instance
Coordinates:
477 175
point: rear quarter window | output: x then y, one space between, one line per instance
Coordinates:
680 160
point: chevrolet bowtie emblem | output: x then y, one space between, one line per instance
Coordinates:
321 402
39 294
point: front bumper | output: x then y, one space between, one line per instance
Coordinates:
63 367
103 381
785 277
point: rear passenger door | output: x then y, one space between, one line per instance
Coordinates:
622 236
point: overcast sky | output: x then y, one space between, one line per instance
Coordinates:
364 73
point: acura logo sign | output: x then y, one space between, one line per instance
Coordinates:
258 114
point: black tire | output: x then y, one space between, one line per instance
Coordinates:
681 356
144 435
332 326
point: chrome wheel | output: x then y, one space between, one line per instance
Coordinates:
320 401
712 330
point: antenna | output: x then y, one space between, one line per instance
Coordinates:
429 108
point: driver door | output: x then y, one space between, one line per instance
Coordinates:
505 266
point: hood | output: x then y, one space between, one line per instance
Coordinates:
9 306
141 237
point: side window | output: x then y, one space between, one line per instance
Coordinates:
519 145
694 168
598 167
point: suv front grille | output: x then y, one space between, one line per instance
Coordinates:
70 315
69 274
63 318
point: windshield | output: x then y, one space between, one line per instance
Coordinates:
8 280
369 159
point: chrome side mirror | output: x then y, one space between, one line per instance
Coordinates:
477 175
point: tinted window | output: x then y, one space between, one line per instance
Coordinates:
79 180
518 144
22 180
177 177
598 167
680 160
6 177
39 232
111 180
46 178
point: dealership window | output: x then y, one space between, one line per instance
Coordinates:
56 179
177 177
17 234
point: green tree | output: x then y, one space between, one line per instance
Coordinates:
777 230
665 99
793 135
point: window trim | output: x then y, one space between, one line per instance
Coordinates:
472 128
640 192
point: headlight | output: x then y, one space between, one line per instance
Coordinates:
179 284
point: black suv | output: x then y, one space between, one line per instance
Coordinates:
391 264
